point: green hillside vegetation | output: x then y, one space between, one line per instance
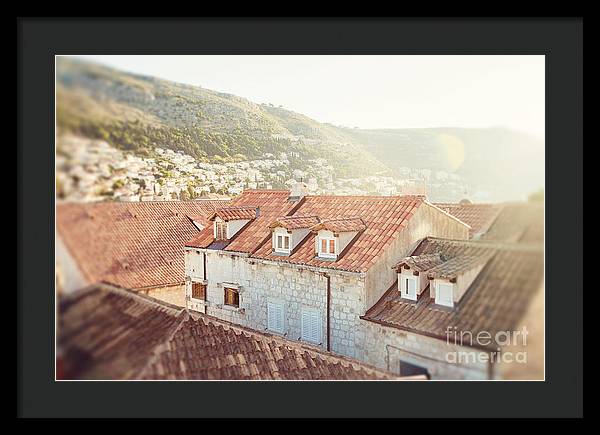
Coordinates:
138 113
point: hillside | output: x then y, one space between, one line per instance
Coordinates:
139 113
504 162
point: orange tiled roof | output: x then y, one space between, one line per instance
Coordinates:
453 267
383 216
420 263
341 225
519 222
235 213
478 216
379 218
272 204
132 245
111 333
495 301
295 222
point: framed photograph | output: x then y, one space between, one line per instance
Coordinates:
300 220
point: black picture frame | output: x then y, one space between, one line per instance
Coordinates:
560 40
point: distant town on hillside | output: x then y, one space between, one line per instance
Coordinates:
126 137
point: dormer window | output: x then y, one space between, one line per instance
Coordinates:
412 279
282 243
220 230
229 220
334 235
444 294
289 231
408 286
327 247
449 277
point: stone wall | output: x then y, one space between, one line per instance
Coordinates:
298 286
347 304
385 347
171 294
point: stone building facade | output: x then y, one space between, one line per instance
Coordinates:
490 327
328 295
391 349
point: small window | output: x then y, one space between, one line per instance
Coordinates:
232 297
409 287
282 244
220 230
199 291
409 369
311 326
443 294
327 247
275 317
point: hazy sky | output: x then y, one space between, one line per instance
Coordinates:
371 91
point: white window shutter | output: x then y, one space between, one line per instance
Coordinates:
275 317
311 326
270 316
412 286
305 325
316 327
445 293
278 311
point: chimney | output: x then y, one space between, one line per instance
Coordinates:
299 190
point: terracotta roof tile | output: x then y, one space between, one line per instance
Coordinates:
518 223
110 333
383 216
495 301
420 263
379 220
272 204
451 268
478 216
340 225
132 245
235 213
295 222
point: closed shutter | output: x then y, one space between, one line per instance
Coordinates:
198 291
275 317
232 297
445 293
311 326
